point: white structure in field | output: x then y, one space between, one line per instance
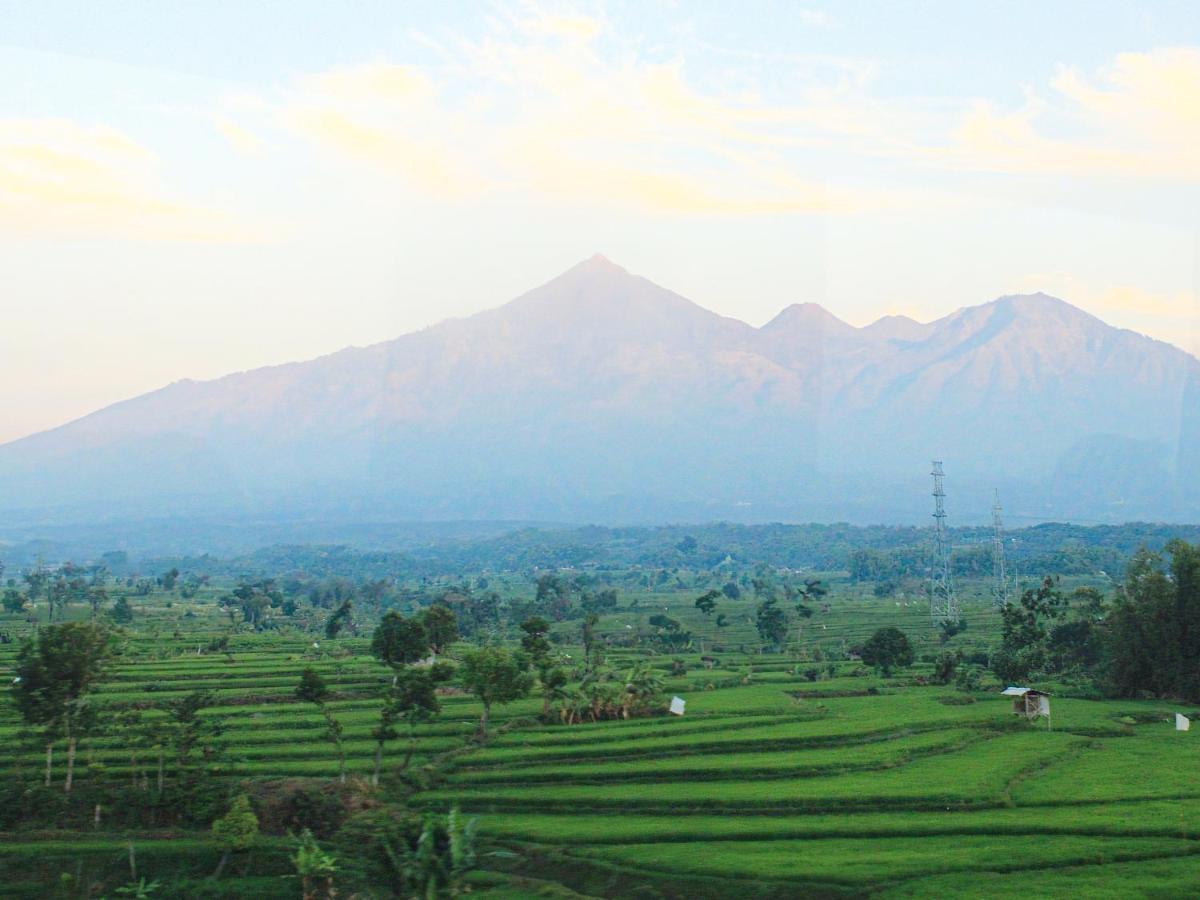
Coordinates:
1029 703
677 704
1182 723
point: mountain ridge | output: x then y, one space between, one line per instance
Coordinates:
600 392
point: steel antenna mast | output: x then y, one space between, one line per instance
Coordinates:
943 605
999 569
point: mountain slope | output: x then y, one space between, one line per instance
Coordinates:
600 395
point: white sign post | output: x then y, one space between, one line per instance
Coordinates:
677 704
1182 723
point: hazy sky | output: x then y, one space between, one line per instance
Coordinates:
189 189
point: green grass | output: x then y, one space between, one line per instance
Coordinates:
876 860
975 775
691 765
851 785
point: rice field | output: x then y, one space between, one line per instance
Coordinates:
772 784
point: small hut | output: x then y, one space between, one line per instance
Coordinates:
1029 703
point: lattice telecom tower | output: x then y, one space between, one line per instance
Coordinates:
943 605
999 570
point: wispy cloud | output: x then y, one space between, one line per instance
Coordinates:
241 139
548 104
64 178
1139 118
563 107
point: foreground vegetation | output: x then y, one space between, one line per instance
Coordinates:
189 734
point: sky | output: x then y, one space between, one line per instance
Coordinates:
188 190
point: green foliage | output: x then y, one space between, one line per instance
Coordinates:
339 620
599 601
313 865
533 639
312 687
14 601
238 828
888 649
707 602
1026 624
58 669
495 675
426 857
187 731
643 688
1154 640
714 795
54 676
665 623
121 612
946 666
771 622
441 627
139 890
949 628
399 642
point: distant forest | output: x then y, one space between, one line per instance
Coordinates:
875 553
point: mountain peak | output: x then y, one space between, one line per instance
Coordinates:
606 305
896 328
602 391
1038 302
596 264
1038 309
807 317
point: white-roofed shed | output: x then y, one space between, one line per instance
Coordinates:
1029 702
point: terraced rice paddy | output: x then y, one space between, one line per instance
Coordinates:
777 787
839 804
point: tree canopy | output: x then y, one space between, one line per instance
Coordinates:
399 642
888 649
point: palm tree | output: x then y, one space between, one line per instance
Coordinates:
313 864
598 687
444 853
574 706
643 684
553 683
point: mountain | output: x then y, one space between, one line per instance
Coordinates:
601 396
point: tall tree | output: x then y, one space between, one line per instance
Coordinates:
552 680
441 626
339 620
643 685
888 649
412 700
707 602
1026 625
312 689
588 636
192 736
399 642
495 675
54 675
1154 627
771 622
